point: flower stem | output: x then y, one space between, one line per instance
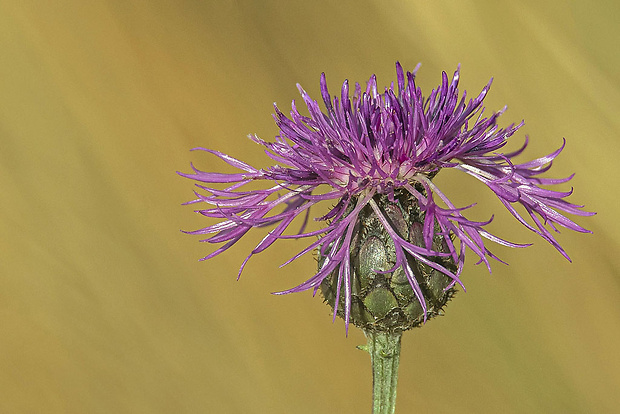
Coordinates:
384 350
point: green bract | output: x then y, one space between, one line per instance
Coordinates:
382 300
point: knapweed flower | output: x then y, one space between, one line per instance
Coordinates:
393 245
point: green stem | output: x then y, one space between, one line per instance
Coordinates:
384 350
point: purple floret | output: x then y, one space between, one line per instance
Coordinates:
376 143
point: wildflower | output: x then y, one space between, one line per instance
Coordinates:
393 245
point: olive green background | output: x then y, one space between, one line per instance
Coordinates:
104 307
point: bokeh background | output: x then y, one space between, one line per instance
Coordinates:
104 307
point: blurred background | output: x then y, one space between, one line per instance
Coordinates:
104 307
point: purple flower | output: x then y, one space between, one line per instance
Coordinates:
377 146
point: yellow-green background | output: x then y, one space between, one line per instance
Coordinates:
104 307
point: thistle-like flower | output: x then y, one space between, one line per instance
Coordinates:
393 245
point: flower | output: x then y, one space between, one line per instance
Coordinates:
367 154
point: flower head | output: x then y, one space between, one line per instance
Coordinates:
373 156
